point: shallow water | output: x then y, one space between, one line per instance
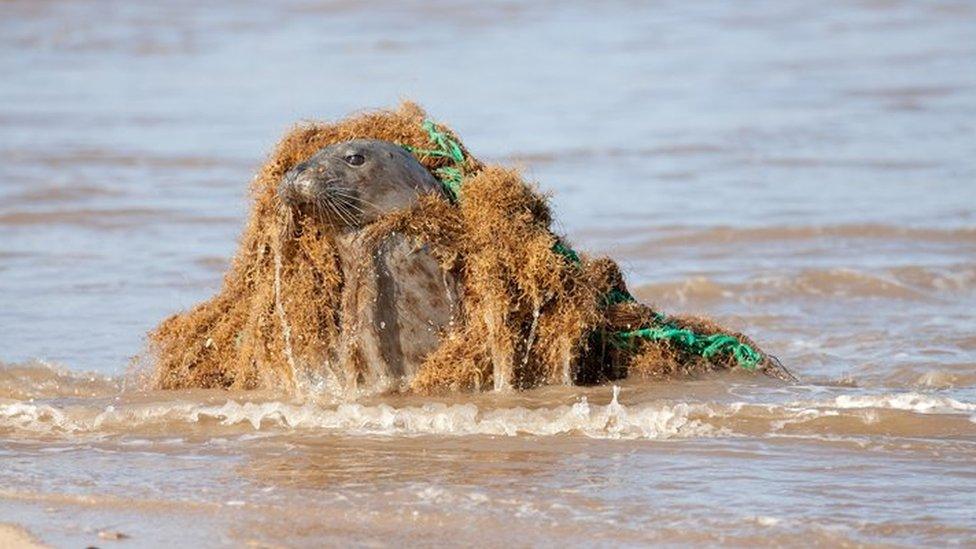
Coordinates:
801 171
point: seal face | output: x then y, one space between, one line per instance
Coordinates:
396 299
353 183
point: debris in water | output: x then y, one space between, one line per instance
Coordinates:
112 535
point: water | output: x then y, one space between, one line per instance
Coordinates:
801 171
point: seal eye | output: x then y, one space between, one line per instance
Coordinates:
355 159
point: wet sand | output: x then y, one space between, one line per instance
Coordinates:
15 537
801 172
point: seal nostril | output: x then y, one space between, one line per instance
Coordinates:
296 187
302 185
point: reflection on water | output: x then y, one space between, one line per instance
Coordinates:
802 171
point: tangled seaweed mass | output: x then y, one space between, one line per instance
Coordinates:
534 312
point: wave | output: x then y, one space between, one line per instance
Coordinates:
904 283
586 154
684 236
912 402
111 157
610 421
41 399
106 218
904 414
702 149
43 380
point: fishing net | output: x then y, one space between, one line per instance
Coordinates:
533 312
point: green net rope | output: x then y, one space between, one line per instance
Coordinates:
445 147
708 346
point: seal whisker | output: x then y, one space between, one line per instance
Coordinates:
348 194
350 216
320 213
326 209
350 208
339 215
345 201
341 211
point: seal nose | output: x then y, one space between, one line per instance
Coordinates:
299 184
302 184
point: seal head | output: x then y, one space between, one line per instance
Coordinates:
353 183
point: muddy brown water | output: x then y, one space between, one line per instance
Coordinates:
802 171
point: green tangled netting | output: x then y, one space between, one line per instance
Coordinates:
705 345
449 176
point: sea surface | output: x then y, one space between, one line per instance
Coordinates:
802 171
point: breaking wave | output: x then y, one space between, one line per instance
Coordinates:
35 380
609 421
905 414
43 400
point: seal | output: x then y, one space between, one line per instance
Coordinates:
396 299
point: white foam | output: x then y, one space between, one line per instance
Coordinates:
653 421
33 417
912 402
611 421
763 520
648 420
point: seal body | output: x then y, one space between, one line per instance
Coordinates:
396 303
397 300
